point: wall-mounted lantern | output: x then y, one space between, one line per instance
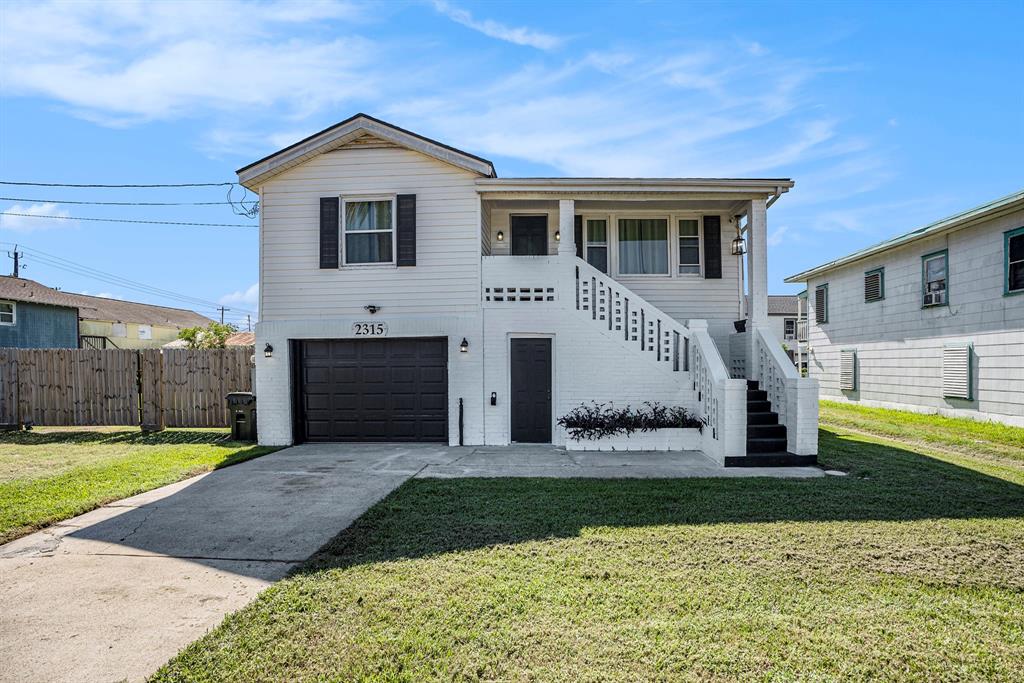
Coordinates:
739 246
558 235
268 351
464 346
501 236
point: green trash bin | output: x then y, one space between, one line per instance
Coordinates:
242 409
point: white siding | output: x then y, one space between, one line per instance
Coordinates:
899 344
446 277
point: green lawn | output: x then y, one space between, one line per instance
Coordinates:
909 568
47 475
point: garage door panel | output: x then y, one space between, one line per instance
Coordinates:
375 389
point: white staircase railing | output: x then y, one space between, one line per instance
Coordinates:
619 310
793 398
722 399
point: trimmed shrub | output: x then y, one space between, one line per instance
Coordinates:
596 420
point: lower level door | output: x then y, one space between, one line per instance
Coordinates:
531 390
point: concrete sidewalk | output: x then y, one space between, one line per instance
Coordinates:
113 594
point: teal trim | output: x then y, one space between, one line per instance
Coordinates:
924 281
1007 236
824 318
881 285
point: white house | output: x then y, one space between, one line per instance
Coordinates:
409 294
930 321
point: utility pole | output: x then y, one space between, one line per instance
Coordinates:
16 255
248 323
222 309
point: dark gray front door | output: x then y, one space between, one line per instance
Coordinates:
531 390
374 389
529 235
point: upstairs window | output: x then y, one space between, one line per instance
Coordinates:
874 285
934 268
821 304
689 246
6 312
643 246
789 328
368 230
597 244
1014 261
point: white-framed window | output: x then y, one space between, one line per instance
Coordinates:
8 312
789 331
934 269
689 246
119 330
643 246
368 231
145 331
597 242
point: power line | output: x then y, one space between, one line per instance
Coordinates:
127 220
110 278
97 185
66 201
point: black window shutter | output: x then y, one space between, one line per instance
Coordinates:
407 230
578 233
713 247
330 228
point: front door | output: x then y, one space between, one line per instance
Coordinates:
531 390
529 235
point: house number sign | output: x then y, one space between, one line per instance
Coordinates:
370 329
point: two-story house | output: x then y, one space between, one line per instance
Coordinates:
407 293
930 321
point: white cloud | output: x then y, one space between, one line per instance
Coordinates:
775 239
494 29
35 217
250 297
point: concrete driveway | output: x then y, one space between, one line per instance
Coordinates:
113 594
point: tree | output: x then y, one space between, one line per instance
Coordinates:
213 336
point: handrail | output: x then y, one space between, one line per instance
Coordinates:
722 399
793 397
614 305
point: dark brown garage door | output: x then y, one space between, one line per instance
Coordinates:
373 390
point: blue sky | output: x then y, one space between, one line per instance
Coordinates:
888 116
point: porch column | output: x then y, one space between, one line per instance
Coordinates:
757 262
567 227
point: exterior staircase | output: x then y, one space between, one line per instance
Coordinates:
766 438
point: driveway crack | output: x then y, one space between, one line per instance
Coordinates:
138 526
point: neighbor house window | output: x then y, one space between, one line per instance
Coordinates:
119 330
368 230
789 330
1015 261
689 246
597 244
821 304
7 313
145 331
935 268
874 285
643 246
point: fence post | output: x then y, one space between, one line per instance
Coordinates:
151 390
9 389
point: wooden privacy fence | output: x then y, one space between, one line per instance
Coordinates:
154 388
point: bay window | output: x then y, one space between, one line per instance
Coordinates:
368 231
643 246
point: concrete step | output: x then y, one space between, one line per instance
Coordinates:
777 459
772 444
759 406
766 431
762 418
757 395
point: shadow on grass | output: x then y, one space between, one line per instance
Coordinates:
127 435
885 483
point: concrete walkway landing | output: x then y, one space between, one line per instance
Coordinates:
113 594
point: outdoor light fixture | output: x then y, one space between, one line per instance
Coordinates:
268 351
739 246
501 236
372 308
464 346
558 235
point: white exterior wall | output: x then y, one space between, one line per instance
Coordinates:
683 297
899 344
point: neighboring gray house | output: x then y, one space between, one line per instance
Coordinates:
930 321
36 317
783 311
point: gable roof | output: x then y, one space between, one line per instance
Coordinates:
348 130
99 308
964 219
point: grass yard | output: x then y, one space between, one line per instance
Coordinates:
50 474
910 568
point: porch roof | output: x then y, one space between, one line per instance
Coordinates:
595 188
